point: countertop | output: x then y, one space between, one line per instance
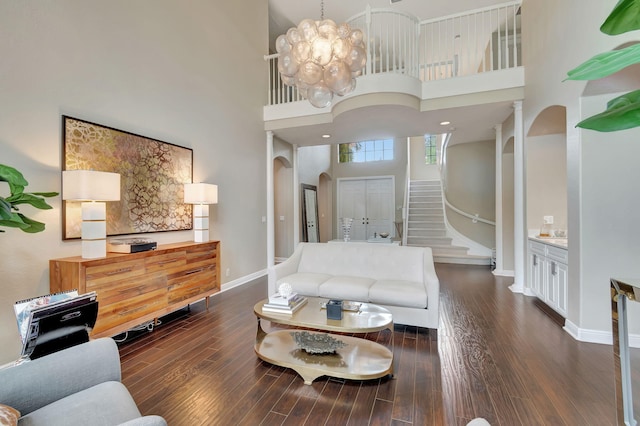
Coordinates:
562 243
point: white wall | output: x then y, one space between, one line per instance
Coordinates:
556 37
470 186
610 206
193 76
546 181
417 166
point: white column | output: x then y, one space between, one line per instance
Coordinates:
296 198
519 211
499 254
271 242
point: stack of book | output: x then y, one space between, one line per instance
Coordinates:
284 305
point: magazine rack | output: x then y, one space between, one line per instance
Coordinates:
60 325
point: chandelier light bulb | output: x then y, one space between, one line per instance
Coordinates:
321 59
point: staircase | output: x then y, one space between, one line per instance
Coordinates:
426 226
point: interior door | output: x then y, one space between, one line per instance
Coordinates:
380 206
370 202
353 204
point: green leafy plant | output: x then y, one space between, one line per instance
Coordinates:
622 112
10 215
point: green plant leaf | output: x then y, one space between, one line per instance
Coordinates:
45 194
14 221
607 63
33 226
622 113
11 175
5 209
27 198
624 17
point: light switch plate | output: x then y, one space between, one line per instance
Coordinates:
547 220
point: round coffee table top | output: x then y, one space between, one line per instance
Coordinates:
368 318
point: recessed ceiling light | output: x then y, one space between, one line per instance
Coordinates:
444 123
326 136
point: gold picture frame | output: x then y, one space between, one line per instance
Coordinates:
152 178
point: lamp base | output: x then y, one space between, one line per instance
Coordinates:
94 230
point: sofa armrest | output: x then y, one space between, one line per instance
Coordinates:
432 285
288 267
35 384
146 421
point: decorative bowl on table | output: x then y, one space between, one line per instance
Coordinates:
317 343
384 234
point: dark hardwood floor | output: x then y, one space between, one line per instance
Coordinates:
496 356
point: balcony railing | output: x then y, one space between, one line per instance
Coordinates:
473 42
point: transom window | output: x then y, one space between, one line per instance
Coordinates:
430 149
366 151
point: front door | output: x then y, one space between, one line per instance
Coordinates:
370 202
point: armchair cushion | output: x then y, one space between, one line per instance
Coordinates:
107 403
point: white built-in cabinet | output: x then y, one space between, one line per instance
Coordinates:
548 274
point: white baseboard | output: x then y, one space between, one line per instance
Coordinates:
516 288
503 273
242 280
596 336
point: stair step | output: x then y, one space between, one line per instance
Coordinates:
425 217
426 232
442 249
423 225
429 241
467 259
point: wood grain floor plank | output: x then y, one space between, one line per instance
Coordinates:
495 354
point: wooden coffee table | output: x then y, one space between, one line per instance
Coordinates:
360 359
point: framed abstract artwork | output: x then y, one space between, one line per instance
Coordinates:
152 178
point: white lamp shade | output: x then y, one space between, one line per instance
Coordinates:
200 193
90 185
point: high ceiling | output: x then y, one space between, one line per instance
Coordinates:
474 123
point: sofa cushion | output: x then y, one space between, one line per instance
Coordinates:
108 403
346 288
370 260
306 283
399 293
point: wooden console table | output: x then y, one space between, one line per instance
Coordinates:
138 287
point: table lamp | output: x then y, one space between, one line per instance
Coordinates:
200 195
93 188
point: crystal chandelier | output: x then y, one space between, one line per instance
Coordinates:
321 59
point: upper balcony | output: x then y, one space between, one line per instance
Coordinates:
464 59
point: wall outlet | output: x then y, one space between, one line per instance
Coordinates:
547 220
281 218
227 272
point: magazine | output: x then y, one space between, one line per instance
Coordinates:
23 308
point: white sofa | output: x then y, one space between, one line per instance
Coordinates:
400 278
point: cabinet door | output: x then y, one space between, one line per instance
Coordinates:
562 281
553 284
536 274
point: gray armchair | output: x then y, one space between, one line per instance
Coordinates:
77 386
